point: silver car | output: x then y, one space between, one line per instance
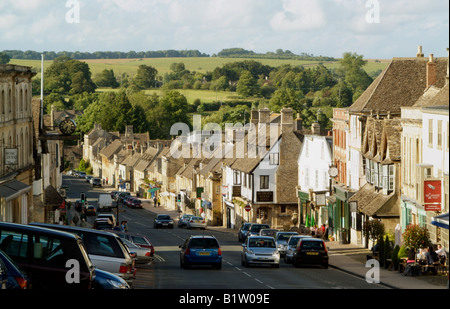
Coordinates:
143 255
196 222
281 239
260 250
291 245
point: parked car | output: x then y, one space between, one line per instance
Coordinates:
255 228
268 232
260 250
136 203
121 195
96 182
43 253
126 200
88 178
201 250
113 194
182 221
143 255
90 210
106 250
11 275
137 239
111 217
163 221
310 251
102 224
81 174
105 280
196 222
281 240
243 231
292 245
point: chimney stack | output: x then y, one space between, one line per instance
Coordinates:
419 52
264 115
298 123
254 117
287 120
431 71
315 128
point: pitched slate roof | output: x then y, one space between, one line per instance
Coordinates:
401 84
109 151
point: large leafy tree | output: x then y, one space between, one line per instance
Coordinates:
68 76
145 77
172 108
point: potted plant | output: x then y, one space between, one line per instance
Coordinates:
395 258
416 237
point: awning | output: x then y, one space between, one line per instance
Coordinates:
13 189
153 190
441 221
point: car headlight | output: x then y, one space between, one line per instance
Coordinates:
117 285
250 252
276 252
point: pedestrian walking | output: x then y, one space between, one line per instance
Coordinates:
154 201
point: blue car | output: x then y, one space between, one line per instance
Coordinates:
107 281
201 250
11 276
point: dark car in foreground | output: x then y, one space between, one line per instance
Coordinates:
201 250
163 221
310 251
44 254
11 275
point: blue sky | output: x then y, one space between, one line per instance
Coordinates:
374 28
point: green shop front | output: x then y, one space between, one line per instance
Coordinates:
341 213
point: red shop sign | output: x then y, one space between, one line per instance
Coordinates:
432 194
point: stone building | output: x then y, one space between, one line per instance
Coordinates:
16 144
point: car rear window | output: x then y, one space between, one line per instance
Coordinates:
318 245
203 243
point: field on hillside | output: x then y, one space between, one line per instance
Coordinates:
129 66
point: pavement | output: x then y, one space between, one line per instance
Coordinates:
348 258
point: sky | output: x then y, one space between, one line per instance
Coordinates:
376 29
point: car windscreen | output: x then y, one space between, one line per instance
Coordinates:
139 240
257 228
203 243
293 241
261 242
163 218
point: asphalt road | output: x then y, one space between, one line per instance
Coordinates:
165 271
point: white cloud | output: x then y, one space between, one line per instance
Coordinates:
299 15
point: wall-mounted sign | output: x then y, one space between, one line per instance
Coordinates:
432 195
264 196
10 156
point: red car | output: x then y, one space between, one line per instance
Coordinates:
135 203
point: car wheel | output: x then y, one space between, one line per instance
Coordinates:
218 265
325 265
276 265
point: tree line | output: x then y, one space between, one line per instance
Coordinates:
51 55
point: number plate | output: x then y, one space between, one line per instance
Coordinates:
204 253
312 253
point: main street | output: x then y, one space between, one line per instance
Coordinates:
165 271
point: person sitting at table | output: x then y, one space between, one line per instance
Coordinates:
432 261
421 256
441 252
